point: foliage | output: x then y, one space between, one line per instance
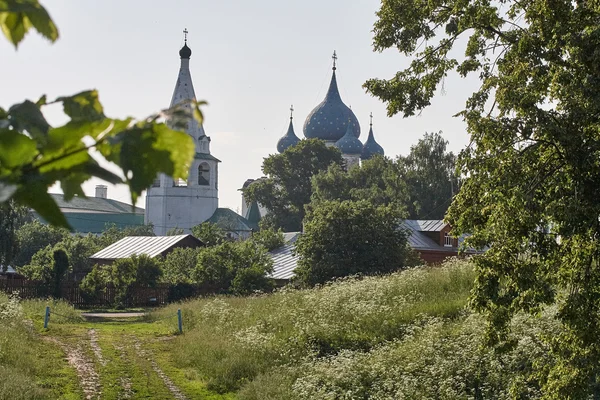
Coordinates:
233 341
60 266
227 266
35 155
431 178
35 236
533 167
379 181
12 216
210 234
347 238
287 188
94 284
122 274
40 266
179 265
270 239
112 234
175 232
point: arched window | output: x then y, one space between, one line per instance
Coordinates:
203 174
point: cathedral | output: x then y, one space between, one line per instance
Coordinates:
183 204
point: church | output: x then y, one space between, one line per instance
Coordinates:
183 204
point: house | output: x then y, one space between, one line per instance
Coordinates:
10 273
152 246
429 238
93 214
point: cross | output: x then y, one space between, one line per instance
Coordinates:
334 59
292 111
371 116
185 32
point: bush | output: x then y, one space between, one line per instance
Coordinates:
348 238
179 266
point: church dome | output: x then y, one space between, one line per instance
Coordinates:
185 51
289 139
330 119
349 144
371 147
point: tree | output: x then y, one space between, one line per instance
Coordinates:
210 234
431 178
267 238
350 237
11 218
113 234
287 188
35 236
532 170
35 155
60 266
175 232
379 180
40 266
179 266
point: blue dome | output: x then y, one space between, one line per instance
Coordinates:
349 144
185 51
371 147
329 120
289 139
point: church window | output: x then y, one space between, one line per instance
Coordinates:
156 182
203 174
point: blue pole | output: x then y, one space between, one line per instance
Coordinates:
47 317
179 321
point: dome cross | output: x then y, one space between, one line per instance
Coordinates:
185 32
371 117
334 60
292 112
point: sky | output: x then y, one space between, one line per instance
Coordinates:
251 60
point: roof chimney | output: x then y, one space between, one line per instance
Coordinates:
101 191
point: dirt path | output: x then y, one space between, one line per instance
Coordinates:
177 394
86 372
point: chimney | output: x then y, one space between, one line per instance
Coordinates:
101 191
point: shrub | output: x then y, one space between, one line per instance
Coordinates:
179 266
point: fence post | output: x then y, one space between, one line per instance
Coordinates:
180 323
47 317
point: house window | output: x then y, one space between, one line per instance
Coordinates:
203 174
447 240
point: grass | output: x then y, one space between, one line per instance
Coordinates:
229 342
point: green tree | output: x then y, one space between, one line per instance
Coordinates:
175 232
35 236
113 234
210 234
179 265
40 266
430 174
533 166
379 180
350 237
60 267
268 238
235 267
34 155
287 188
12 217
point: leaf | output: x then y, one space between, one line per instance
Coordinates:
27 116
197 112
18 16
69 136
84 106
16 149
34 193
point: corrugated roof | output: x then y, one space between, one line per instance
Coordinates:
284 261
417 239
98 204
152 246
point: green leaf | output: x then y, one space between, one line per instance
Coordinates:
34 193
84 106
69 136
16 149
18 16
27 116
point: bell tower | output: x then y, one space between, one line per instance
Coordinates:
185 204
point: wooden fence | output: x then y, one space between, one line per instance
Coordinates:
138 296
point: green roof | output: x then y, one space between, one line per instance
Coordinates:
253 213
204 156
98 204
230 221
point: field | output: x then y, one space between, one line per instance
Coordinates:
407 335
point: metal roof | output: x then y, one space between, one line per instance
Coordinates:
428 225
152 246
284 260
417 239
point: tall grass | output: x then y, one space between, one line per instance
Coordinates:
25 360
233 341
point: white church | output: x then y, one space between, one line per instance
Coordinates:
178 204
